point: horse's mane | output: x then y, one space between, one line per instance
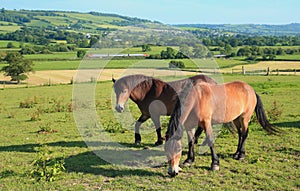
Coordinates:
175 127
139 81
133 81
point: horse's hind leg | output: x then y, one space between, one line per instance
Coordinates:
237 124
242 127
138 124
244 135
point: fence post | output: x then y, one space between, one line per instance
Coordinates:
243 70
268 71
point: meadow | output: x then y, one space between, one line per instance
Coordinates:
38 122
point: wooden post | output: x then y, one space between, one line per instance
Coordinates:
268 71
243 70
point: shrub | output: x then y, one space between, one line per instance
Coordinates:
45 166
113 127
176 64
275 112
46 128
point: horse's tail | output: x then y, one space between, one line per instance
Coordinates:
262 118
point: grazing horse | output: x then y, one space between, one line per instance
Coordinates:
201 104
154 98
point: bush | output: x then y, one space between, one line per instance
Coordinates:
275 112
176 64
46 167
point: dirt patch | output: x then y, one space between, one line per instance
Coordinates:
67 76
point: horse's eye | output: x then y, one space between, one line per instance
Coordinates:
123 91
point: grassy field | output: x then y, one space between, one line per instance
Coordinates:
272 162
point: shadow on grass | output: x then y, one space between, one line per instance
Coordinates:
30 147
288 124
89 162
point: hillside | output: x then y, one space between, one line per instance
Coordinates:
11 20
249 29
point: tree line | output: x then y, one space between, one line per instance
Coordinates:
44 36
214 38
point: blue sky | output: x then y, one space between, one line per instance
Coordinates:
178 11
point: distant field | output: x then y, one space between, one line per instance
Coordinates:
3 43
288 57
57 55
5 29
273 65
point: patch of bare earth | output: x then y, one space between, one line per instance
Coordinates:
67 76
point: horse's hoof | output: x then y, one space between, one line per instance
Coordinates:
137 143
215 167
157 143
187 162
173 174
239 156
236 156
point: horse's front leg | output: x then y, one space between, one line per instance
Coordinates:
191 154
197 134
137 135
215 164
156 121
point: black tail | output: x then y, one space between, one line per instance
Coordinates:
262 118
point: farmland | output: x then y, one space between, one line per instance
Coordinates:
270 159
43 146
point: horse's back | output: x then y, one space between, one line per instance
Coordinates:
228 101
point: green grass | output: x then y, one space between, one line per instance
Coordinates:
56 65
288 57
272 162
53 56
7 29
3 43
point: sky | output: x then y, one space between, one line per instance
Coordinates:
177 11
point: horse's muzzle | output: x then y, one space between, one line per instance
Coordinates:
119 108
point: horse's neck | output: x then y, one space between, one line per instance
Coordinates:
138 94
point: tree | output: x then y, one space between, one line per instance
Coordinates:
146 48
185 50
10 45
17 67
80 53
228 49
199 51
170 53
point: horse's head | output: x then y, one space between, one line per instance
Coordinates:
122 94
173 151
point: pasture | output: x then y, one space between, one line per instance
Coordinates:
41 117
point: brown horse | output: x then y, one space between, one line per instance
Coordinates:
201 104
154 98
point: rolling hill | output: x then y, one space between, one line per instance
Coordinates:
11 20
248 29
